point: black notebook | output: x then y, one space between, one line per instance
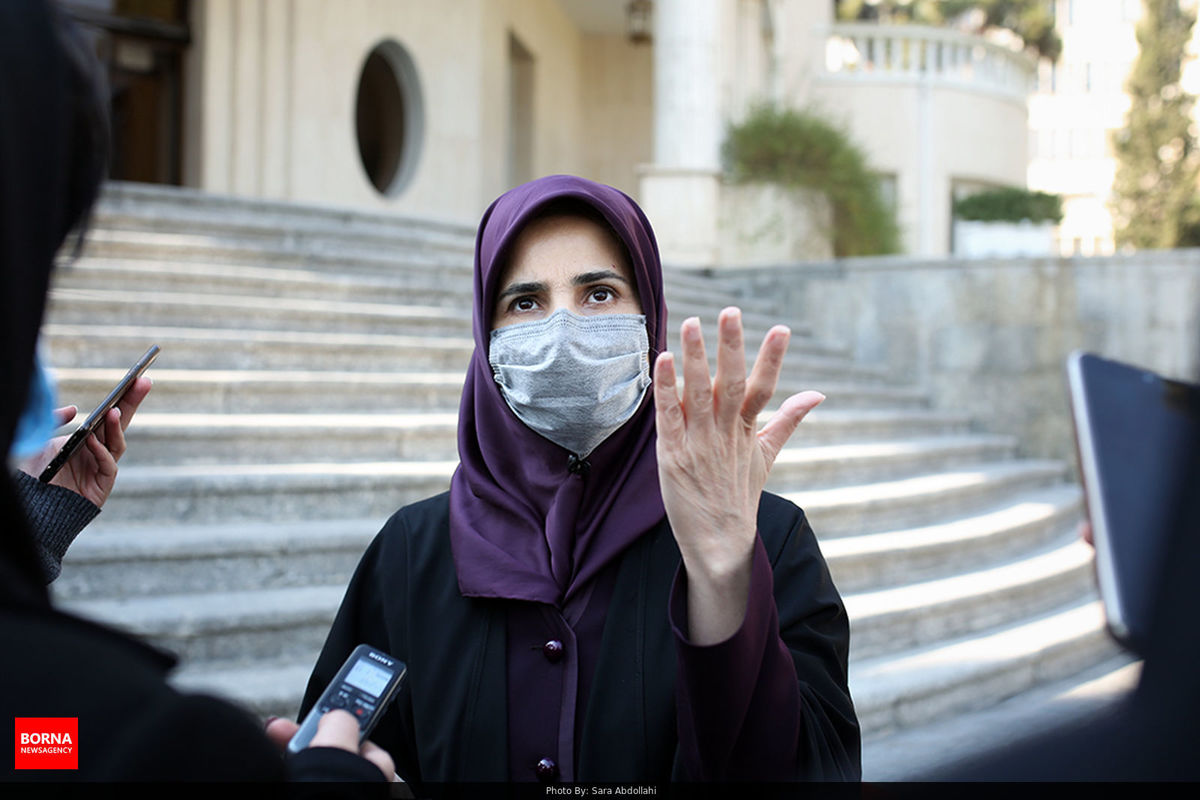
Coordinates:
1134 430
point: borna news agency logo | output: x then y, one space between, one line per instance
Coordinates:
46 743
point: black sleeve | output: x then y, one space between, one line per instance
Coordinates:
373 613
784 708
816 630
190 738
56 516
198 738
332 764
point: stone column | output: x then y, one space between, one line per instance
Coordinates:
680 191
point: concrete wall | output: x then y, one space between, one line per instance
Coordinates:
617 103
272 89
990 337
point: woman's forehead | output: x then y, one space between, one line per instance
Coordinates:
563 245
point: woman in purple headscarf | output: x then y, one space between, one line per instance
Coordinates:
605 593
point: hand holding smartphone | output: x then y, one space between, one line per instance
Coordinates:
95 418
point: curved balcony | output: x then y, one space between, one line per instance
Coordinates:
861 52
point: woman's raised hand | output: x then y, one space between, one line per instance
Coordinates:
713 462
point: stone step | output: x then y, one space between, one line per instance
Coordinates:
226 438
1022 522
141 207
269 391
918 754
335 256
215 348
242 391
250 626
838 464
248 312
949 678
152 495
707 299
418 285
158 207
329 489
267 690
203 278
116 561
915 614
920 500
452 268
199 347
281 438
290 230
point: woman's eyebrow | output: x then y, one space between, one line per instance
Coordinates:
531 287
584 278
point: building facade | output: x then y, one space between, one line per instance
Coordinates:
434 109
1079 105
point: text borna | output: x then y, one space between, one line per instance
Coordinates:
46 738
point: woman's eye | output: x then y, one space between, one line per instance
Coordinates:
523 304
601 295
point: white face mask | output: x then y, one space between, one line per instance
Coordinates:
573 379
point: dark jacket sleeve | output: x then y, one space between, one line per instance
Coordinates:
56 516
189 738
772 701
197 738
368 615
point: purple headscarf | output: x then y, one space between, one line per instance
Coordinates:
522 526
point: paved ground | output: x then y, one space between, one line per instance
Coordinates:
908 754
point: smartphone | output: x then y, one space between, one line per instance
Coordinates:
364 686
1134 430
72 445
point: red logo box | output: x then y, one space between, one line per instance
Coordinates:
46 743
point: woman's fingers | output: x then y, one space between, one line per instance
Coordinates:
765 374
64 415
668 414
380 758
339 729
106 462
281 731
697 384
729 387
132 399
114 432
783 422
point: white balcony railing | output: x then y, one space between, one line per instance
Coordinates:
912 53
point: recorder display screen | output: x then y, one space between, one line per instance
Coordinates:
368 677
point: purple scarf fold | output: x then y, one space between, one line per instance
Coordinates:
522 526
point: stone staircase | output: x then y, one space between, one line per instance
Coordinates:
308 386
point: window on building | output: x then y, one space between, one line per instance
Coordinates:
389 117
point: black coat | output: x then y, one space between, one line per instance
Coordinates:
131 724
449 723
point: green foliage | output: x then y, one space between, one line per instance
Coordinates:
1154 190
800 150
1032 20
1010 205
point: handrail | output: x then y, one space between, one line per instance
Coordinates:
869 51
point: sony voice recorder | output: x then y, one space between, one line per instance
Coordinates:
364 686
